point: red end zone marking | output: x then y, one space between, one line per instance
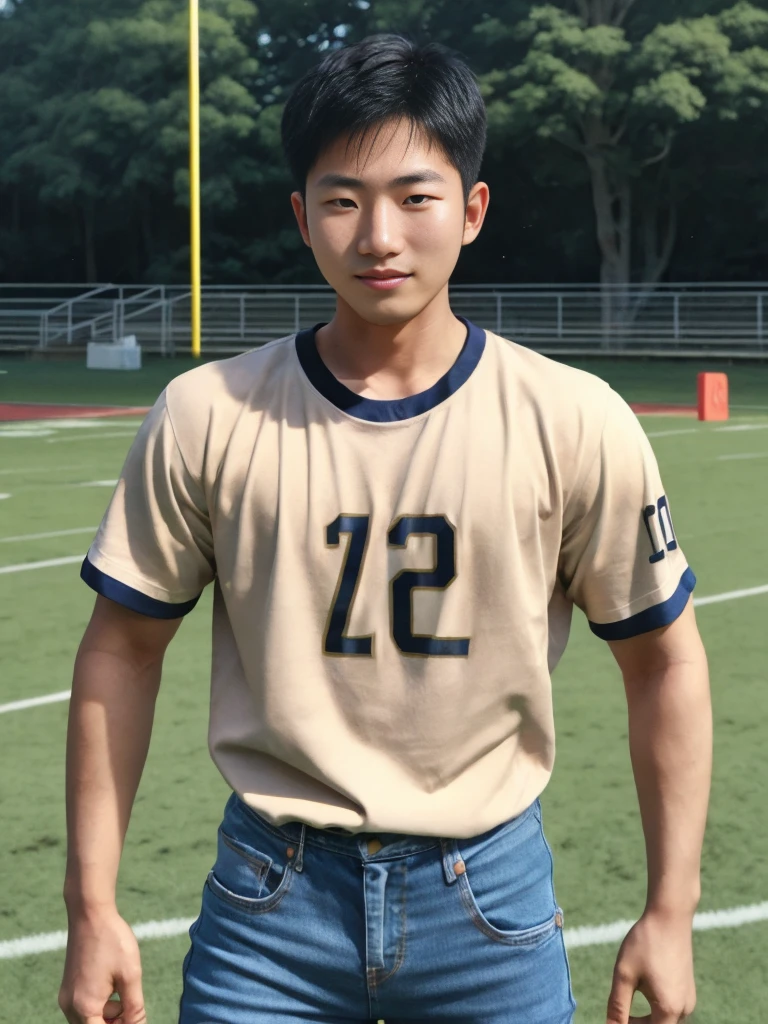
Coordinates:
10 411
655 409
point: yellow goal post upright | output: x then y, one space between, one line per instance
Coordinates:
194 171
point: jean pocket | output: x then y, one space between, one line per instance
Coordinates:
505 884
248 877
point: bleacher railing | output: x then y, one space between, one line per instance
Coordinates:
673 319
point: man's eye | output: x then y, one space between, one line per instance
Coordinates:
342 201
418 200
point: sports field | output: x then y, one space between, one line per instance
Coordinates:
56 476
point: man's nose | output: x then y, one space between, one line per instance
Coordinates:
379 232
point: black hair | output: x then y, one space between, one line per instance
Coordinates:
355 90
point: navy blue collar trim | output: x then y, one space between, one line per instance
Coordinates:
379 411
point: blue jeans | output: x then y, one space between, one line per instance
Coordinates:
300 924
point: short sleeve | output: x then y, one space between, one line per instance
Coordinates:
153 551
620 560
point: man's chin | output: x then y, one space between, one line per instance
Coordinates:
386 313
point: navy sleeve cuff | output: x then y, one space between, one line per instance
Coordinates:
652 618
122 594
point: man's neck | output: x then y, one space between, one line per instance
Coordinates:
394 360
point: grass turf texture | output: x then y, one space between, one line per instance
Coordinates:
590 807
638 380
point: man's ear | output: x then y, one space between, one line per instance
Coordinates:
300 209
477 207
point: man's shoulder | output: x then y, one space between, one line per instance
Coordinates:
232 379
552 386
204 404
227 386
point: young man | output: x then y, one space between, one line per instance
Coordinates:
398 511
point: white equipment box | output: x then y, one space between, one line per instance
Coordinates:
114 355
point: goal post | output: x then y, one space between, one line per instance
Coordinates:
194 172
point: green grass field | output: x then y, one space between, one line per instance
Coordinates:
55 477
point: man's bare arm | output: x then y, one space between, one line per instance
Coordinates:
670 737
116 681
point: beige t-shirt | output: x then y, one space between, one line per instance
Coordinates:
393 580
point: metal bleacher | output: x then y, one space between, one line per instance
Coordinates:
672 319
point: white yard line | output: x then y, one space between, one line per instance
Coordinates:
49 563
89 437
22 431
35 702
704 922
40 472
607 934
45 536
48 942
743 455
48 485
673 433
733 427
731 595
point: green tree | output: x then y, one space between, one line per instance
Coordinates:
616 84
97 124
613 125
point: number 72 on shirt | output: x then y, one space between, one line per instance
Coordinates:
401 586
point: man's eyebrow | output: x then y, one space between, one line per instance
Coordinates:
339 181
416 178
424 177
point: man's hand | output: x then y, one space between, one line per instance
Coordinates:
656 959
102 958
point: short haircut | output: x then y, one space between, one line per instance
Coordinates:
355 90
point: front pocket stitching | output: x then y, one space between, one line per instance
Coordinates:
259 865
524 937
250 905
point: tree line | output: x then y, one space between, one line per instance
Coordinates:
628 139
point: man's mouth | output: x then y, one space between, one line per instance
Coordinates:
383 280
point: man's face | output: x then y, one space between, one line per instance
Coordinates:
386 224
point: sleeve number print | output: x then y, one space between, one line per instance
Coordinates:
401 586
659 512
